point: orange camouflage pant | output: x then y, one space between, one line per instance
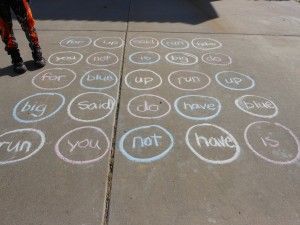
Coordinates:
23 14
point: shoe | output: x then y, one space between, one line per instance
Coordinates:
38 58
17 61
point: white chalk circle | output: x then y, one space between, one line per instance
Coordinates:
143 79
76 42
148 106
144 58
98 79
38 107
189 80
175 43
19 145
102 59
66 58
234 81
83 145
212 144
146 144
273 142
91 107
181 58
54 79
217 59
206 44
257 106
144 42
109 42
197 107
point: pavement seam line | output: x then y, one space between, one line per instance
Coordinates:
114 137
175 32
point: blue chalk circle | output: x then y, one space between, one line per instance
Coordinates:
153 140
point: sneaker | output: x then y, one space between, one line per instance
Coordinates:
17 61
19 67
38 58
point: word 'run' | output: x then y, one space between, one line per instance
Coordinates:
20 146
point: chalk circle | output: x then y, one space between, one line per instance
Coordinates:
91 107
54 79
217 59
189 80
148 106
83 145
38 107
257 106
144 58
181 58
273 142
143 79
197 107
76 42
109 42
146 144
175 43
144 42
206 44
66 58
98 79
19 145
212 144
102 59
234 81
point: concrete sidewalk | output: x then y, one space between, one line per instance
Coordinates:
154 112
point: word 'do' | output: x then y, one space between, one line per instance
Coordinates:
144 58
148 107
217 59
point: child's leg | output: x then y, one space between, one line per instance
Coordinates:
6 30
8 37
24 15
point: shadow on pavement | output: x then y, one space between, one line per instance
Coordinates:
184 11
9 71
